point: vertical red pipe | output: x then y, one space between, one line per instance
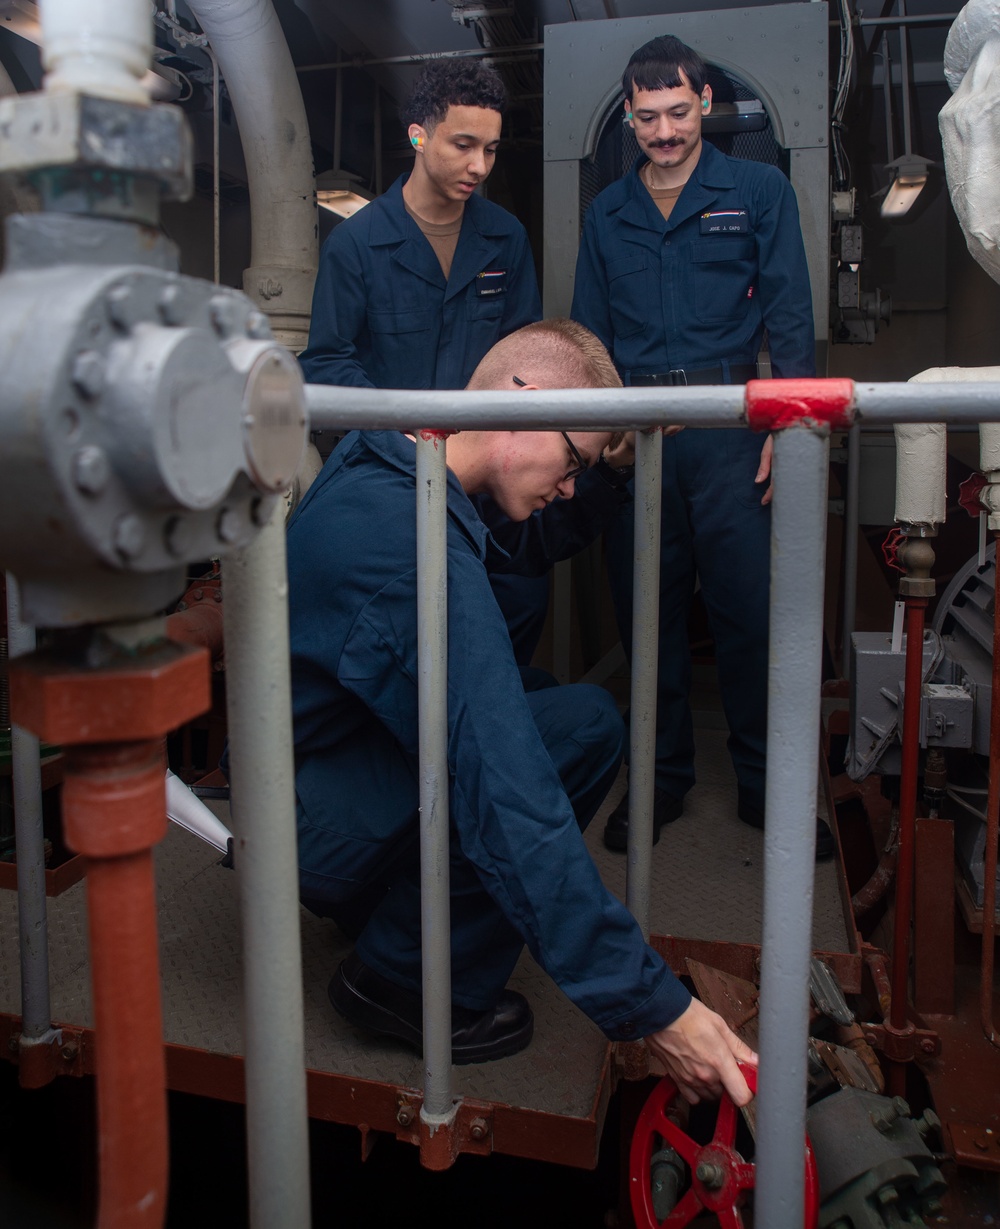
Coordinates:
915 609
114 811
992 828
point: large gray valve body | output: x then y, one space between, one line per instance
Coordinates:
151 415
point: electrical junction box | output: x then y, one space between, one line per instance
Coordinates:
877 695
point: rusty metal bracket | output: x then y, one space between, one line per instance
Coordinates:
902 1045
60 1052
470 1130
974 1145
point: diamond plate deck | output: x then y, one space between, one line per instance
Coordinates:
706 885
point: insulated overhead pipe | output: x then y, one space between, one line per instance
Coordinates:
252 53
101 48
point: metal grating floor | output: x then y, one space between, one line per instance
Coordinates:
707 884
708 866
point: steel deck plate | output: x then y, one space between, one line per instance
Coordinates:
707 885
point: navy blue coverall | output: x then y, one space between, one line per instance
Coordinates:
694 294
527 771
383 315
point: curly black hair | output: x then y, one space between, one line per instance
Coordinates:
453 83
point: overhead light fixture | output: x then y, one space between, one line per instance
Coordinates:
21 16
341 193
907 184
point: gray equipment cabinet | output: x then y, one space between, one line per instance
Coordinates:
776 54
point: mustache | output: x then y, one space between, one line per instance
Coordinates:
670 144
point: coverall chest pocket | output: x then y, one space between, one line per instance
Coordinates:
395 337
398 322
630 294
483 318
484 307
724 272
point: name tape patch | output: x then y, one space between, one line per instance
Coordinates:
491 282
725 222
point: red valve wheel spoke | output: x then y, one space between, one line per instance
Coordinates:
681 1142
745 1175
725 1124
689 1207
733 1176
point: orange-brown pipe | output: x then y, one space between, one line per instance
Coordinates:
903 916
114 811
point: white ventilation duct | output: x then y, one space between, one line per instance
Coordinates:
253 56
970 124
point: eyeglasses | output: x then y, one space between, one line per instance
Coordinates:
581 465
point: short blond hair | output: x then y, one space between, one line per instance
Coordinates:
556 353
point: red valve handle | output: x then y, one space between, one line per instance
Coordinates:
890 548
729 1177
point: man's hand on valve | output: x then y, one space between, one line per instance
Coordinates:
699 1052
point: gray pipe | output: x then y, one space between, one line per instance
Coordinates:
645 640
908 402
258 702
260 76
798 544
596 409
586 409
904 68
432 685
852 499
32 908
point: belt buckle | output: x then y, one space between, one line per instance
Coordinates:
678 376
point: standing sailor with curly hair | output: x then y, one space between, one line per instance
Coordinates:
415 288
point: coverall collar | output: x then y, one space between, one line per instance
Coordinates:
477 246
709 179
395 449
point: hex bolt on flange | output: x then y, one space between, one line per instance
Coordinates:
91 469
405 1115
478 1129
88 374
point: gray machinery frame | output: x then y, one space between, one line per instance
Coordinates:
780 51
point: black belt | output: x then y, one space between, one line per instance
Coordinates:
739 373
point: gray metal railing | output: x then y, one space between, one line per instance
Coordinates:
32 906
798 536
432 699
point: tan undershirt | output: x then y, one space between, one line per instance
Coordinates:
663 198
442 236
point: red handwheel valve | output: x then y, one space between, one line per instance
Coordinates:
720 1177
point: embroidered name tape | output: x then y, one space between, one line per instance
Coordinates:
491 282
725 222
